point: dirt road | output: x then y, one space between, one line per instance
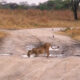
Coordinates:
16 67
17 40
41 68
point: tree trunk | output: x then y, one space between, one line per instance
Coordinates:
75 14
75 5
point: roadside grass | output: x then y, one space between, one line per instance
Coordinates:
2 35
22 19
74 33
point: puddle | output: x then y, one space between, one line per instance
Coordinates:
44 55
25 56
5 54
30 47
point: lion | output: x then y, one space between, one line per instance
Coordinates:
40 50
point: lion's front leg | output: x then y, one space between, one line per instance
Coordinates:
29 53
36 54
47 53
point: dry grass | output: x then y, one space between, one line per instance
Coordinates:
18 19
2 35
74 33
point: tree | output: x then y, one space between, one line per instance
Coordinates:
24 5
54 4
59 4
13 5
75 5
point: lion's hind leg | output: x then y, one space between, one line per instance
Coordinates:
29 53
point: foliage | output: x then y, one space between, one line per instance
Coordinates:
54 4
16 6
48 5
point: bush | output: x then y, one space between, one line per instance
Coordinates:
56 4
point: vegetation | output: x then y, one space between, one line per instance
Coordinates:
54 4
2 35
20 19
73 33
75 5
48 5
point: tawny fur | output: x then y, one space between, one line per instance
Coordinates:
40 50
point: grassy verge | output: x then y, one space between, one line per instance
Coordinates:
74 33
2 36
